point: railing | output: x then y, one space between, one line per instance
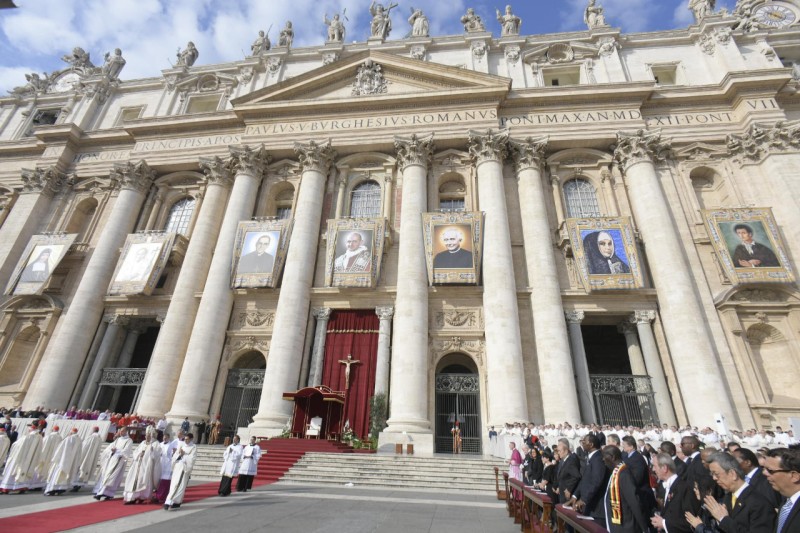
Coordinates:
122 376
625 400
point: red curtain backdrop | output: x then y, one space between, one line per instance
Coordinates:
353 333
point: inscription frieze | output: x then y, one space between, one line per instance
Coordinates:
187 142
92 157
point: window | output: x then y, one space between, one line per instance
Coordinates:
451 204
202 104
556 77
179 216
43 117
283 204
128 114
284 213
366 200
581 199
452 193
665 74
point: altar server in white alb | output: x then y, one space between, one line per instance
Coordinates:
22 462
182 464
90 451
230 466
168 448
145 471
112 463
49 445
64 466
250 456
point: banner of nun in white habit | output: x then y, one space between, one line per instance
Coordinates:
259 253
605 252
38 261
143 258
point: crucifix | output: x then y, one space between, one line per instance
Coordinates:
349 361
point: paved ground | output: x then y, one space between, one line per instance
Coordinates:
301 508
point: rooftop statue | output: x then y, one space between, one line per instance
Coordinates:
381 23
78 59
113 64
472 22
287 35
336 29
509 22
261 44
593 15
36 84
419 23
188 56
702 8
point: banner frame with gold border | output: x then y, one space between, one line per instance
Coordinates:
17 287
378 227
261 280
454 276
145 287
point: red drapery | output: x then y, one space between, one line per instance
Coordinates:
353 333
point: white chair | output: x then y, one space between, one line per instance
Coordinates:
313 429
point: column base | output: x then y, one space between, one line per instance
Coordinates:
268 425
175 419
421 442
408 425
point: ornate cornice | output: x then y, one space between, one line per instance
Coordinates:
528 153
414 150
246 160
322 313
488 146
575 317
760 140
133 176
44 180
385 313
217 170
642 317
635 147
315 156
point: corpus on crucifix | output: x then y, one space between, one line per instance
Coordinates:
348 362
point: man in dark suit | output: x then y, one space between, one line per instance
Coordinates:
782 470
743 509
620 501
568 474
678 500
588 497
754 476
669 447
641 474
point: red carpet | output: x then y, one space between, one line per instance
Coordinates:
281 455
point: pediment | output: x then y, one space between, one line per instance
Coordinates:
404 77
699 150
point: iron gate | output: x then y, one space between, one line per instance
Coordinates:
458 397
240 402
624 400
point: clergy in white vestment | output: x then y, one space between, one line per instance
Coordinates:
182 464
230 466
145 471
112 466
90 451
168 448
22 462
64 466
5 444
49 445
249 467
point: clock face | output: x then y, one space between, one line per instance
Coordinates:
774 16
65 83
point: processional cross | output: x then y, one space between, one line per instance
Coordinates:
347 362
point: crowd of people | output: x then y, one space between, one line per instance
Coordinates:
663 479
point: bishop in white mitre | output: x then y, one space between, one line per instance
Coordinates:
112 464
230 466
21 462
90 450
64 466
42 468
145 471
182 465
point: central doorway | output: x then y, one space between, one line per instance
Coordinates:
242 392
458 399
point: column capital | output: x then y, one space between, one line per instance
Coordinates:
322 313
626 328
218 171
117 320
43 180
315 156
133 176
414 150
642 317
575 317
385 313
488 146
528 153
638 146
246 160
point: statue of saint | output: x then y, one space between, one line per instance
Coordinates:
261 44
419 23
188 56
509 22
336 29
78 59
113 64
702 8
381 23
287 35
593 15
472 22
36 84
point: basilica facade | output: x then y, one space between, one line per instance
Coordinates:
586 226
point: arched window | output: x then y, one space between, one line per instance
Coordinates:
82 219
451 195
283 204
581 199
366 200
179 216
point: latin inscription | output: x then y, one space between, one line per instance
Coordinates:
91 157
191 142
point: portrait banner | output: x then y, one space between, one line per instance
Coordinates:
748 245
605 252
453 247
40 258
143 258
354 252
259 253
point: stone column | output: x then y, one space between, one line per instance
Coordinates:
27 216
318 356
384 349
696 366
638 367
581 368
125 358
89 363
555 185
550 329
204 350
283 364
109 348
664 408
61 363
341 184
504 367
164 369
408 405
